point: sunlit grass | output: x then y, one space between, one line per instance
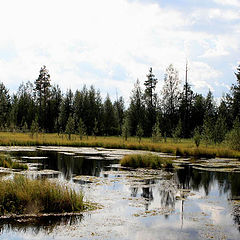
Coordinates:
146 161
24 196
185 147
7 162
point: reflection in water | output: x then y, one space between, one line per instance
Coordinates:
69 164
228 183
236 215
36 225
156 193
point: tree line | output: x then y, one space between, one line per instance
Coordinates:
177 111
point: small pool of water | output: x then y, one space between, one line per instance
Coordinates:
182 204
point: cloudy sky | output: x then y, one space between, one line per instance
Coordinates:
111 43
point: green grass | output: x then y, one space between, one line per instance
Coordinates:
7 162
146 161
24 196
184 148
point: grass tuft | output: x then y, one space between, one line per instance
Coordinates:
24 196
146 161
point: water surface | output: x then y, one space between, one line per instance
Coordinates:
182 204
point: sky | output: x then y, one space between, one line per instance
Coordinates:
112 43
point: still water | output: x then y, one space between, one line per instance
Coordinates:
182 204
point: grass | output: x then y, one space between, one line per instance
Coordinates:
7 162
24 196
146 161
184 148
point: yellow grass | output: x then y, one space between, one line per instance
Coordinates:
184 148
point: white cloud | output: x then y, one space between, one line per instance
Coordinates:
235 3
81 42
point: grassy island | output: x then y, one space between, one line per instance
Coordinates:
7 162
146 161
24 196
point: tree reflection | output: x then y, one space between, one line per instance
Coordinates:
38 224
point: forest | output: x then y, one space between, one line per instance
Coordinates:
176 111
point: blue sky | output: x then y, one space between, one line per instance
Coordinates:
112 43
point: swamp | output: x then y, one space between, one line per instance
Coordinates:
195 199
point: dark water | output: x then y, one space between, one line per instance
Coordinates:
135 208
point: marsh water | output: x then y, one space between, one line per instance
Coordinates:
184 203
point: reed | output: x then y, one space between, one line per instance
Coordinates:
24 196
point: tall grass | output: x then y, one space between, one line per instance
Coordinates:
146 161
184 148
7 162
25 196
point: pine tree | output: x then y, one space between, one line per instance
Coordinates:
81 128
150 85
156 132
125 128
139 132
70 127
42 88
150 102
95 129
136 110
170 97
234 97
5 106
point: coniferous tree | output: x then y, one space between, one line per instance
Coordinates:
25 108
81 128
136 110
234 97
186 110
156 132
70 127
5 106
150 102
209 119
95 128
125 128
54 109
198 110
34 127
119 113
139 132
170 97
42 88
110 124
66 109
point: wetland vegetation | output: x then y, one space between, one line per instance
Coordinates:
21 195
196 200
7 162
146 161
